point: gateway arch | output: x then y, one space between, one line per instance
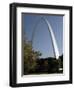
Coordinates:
53 39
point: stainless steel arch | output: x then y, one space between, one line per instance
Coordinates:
54 43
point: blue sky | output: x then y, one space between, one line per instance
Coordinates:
42 40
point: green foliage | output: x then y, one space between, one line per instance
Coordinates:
30 57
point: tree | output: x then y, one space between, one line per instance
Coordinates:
30 57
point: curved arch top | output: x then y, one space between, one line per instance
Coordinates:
54 43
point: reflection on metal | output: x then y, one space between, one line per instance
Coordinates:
55 47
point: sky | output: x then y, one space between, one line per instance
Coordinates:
42 39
